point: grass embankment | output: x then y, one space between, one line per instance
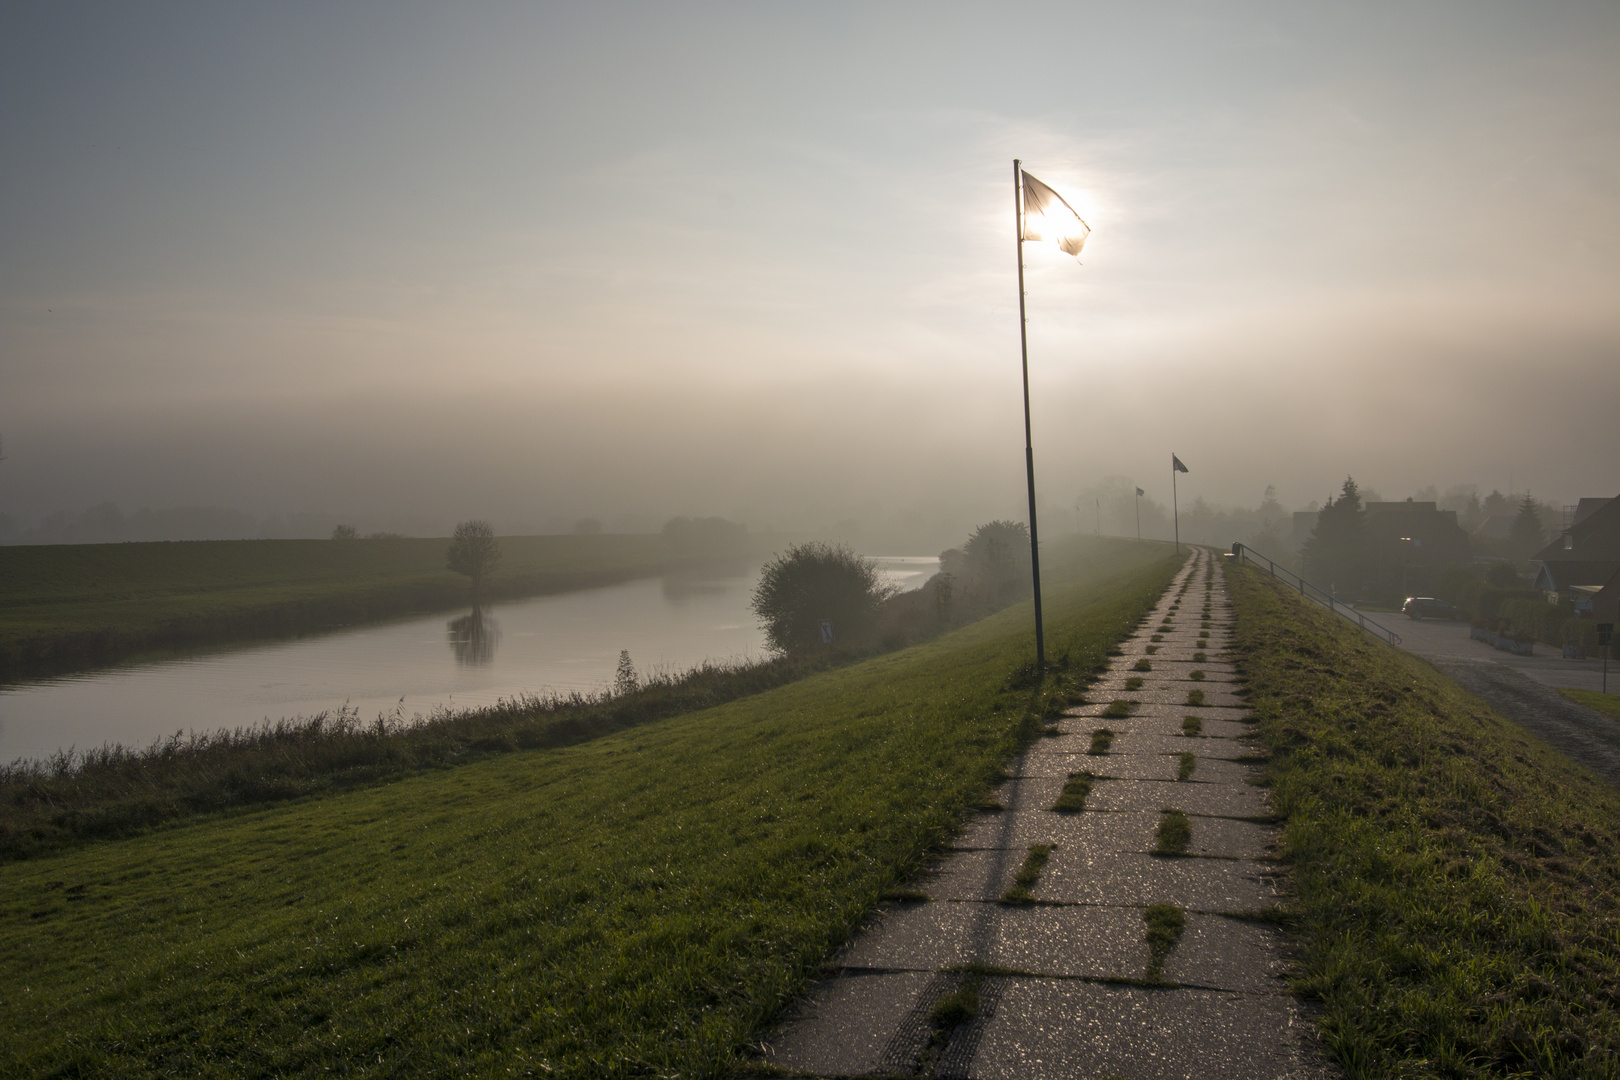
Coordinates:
1457 885
635 905
1607 704
71 607
113 791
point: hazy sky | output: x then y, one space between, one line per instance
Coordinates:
534 262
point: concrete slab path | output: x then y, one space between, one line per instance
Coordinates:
1064 979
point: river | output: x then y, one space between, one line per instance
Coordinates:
545 644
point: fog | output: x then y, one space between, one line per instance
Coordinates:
399 266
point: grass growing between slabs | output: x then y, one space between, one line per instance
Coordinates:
1457 890
635 905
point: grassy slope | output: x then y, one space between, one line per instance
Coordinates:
1457 883
1607 704
637 904
64 606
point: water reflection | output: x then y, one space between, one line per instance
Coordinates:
473 638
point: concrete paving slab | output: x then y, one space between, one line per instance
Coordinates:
1124 767
1130 831
1052 1029
1217 953
1074 876
971 875
1031 793
1130 742
1167 693
1214 770
1209 800
1124 830
843 1026
1071 942
1215 670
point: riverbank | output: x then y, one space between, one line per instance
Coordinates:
68 608
637 904
1454 880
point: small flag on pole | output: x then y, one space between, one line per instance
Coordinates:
1140 492
1048 217
1175 463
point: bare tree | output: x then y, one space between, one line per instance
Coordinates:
474 551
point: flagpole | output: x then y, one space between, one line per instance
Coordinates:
1138 513
1029 449
1175 507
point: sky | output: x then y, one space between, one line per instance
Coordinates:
407 264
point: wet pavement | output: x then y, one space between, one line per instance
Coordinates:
1062 979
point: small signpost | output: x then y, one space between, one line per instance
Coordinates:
826 631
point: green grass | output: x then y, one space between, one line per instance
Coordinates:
1196 676
1164 925
1072 800
1119 707
1195 697
1456 886
1607 704
1101 740
1192 726
1199 658
1018 893
69 607
1173 834
1143 665
1134 682
1185 766
639 904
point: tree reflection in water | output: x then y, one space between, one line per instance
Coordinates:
473 637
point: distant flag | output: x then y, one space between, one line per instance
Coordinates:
1175 463
1140 493
1048 217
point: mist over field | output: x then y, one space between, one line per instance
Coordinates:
265 271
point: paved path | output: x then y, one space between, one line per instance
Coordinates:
1066 983
1524 689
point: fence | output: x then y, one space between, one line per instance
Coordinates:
1246 554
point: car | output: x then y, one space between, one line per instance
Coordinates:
1427 607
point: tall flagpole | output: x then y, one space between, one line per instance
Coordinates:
1138 512
1029 449
1175 507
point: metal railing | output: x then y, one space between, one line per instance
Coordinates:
1247 554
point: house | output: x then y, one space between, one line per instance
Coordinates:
1415 533
1588 552
1411 544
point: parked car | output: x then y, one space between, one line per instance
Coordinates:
1427 607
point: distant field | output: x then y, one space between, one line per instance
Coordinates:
1456 885
68 607
632 906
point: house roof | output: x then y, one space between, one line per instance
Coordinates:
1558 576
1595 538
1585 508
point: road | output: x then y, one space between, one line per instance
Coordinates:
1524 688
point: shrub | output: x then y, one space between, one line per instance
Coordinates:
812 584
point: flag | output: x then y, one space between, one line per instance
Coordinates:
1175 463
1140 493
1048 217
